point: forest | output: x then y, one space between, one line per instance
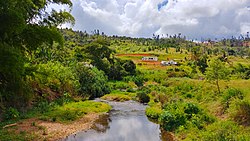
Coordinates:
53 74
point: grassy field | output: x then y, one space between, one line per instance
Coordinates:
185 103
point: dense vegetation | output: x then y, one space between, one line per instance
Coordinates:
47 72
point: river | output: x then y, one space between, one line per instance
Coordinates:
125 122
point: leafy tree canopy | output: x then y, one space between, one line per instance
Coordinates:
27 23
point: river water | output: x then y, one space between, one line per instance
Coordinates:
125 122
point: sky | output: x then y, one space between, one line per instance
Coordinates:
142 18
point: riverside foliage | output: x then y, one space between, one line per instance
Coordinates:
46 72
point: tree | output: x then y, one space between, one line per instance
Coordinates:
129 66
102 57
100 54
93 82
25 25
202 63
216 71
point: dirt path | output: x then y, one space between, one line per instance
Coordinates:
51 131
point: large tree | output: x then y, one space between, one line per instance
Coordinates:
100 54
25 25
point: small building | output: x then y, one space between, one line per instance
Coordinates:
168 63
149 58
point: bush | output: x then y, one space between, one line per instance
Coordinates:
43 106
129 66
57 77
241 112
143 97
191 109
11 113
230 95
170 121
186 115
242 71
14 90
223 131
120 85
162 98
153 112
177 72
93 82
173 117
121 68
139 80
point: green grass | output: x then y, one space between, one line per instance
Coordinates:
221 131
116 97
119 96
204 94
75 110
10 135
64 114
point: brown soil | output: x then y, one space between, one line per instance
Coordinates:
51 131
150 62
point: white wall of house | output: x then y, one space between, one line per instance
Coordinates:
149 58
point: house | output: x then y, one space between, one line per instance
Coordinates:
149 59
168 63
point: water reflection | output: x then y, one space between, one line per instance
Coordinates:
126 122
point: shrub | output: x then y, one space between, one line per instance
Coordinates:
139 80
162 98
93 82
11 113
223 131
242 71
191 109
172 121
119 85
57 77
230 95
177 72
129 66
121 68
43 106
66 98
14 90
241 112
153 112
186 115
143 97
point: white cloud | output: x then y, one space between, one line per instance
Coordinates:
245 27
203 18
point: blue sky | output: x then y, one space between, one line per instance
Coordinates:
162 4
141 18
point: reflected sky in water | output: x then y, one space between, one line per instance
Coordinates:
126 122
